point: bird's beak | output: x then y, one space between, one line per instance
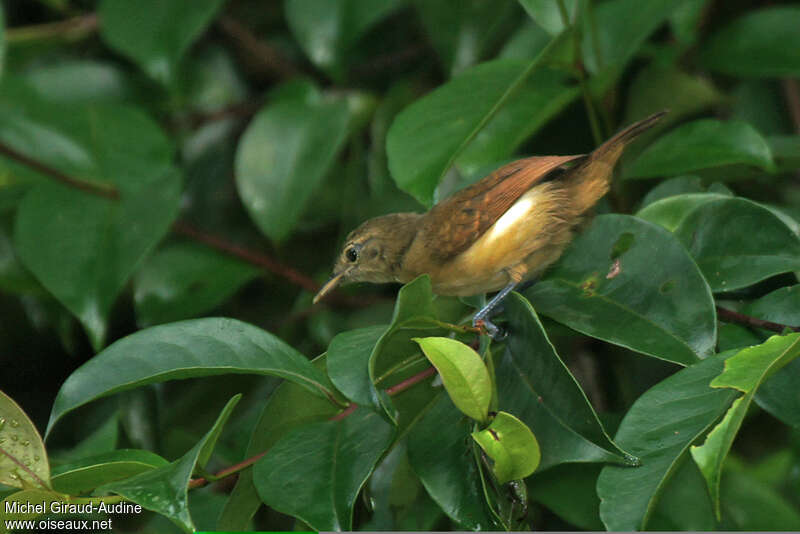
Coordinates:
330 285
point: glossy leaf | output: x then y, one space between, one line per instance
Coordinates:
155 33
80 81
534 383
427 137
316 471
671 187
511 446
440 453
568 490
745 371
463 373
671 211
659 428
282 157
23 459
703 144
86 474
164 489
684 503
737 243
328 30
547 13
183 281
201 347
760 43
348 364
663 309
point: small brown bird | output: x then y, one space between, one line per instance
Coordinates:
493 235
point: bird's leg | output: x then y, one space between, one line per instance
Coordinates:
482 317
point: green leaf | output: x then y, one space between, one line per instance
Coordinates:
568 490
512 447
88 473
164 489
200 347
737 243
786 150
440 452
673 187
327 31
761 43
315 472
546 13
289 407
155 33
23 458
80 81
463 373
751 505
779 395
545 395
663 309
348 364
745 371
671 211
703 144
185 280
282 157
427 137
659 428
684 503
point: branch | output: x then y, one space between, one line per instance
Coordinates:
730 316
258 52
70 30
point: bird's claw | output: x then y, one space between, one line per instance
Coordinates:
491 329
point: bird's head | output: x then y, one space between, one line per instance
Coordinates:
373 252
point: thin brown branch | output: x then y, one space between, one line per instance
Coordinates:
791 88
408 382
70 30
730 316
228 471
257 52
94 188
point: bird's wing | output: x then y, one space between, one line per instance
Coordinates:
455 223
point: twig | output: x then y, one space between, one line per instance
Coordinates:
736 317
94 188
70 30
241 110
408 382
257 51
202 481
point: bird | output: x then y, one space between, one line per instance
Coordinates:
503 230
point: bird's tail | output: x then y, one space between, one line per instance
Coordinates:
590 180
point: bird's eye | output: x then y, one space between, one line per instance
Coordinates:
352 254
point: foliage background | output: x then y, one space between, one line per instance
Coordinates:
172 159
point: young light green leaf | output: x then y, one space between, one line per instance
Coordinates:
88 473
761 43
283 155
463 373
659 428
164 489
737 243
512 447
200 347
703 144
606 285
23 458
315 472
155 33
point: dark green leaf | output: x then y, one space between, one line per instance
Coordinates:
737 243
315 472
182 281
164 489
762 43
80 81
328 30
441 454
546 396
662 309
786 150
511 446
684 503
348 364
463 373
671 211
659 428
547 14
282 157
568 490
751 505
23 459
200 347
673 187
155 33
703 144
93 471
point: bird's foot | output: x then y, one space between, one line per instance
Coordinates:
494 331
